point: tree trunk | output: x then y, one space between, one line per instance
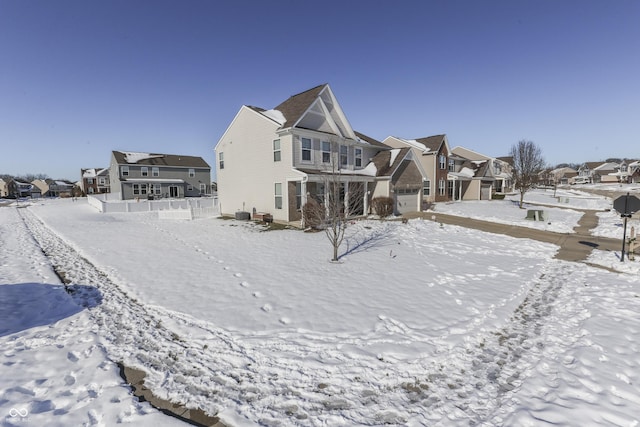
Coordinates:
521 199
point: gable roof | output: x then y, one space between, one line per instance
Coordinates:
433 143
155 159
294 107
370 140
386 162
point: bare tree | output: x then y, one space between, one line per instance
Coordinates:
334 201
527 165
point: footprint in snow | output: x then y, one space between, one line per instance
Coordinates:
238 275
244 284
285 320
257 294
227 268
266 308
73 356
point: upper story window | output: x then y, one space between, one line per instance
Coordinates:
344 155
221 160
102 181
452 165
497 167
358 157
623 167
442 159
192 172
124 170
326 152
277 154
144 171
89 180
306 149
155 171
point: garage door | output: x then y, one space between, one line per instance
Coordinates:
407 201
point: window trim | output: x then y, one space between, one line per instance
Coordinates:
345 154
442 187
155 171
442 160
192 173
124 170
303 150
278 195
327 151
277 152
357 157
144 171
221 160
426 187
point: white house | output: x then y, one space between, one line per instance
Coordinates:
272 161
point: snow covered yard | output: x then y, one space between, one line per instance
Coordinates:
418 324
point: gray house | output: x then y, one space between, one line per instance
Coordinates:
149 175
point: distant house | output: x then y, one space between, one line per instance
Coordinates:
484 175
95 180
54 187
433 154
563 176
135 175
273 161
606 173
13 189
4 188
634 172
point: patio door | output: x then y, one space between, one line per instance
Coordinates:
173 191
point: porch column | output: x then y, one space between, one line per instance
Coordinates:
460 192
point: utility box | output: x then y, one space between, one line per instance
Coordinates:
536 215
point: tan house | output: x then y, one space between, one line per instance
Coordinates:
272 161
481 176
433 154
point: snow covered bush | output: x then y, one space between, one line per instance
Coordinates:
382 206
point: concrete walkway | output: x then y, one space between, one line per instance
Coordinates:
573 247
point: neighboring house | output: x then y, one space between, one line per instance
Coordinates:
433 154
585 172
14 189
606 173
134 175
634 172
54 187
563 176
272 161
481 176
95 180
4 189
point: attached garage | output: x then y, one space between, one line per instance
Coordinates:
407 200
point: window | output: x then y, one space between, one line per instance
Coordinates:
277 155
155 189
189 187
298 195
344 155
452 165
144 171
124 170
358 157
426 187
192 172
203 188
90 190
155 171
441 187
102 181
450 188
278 194
221 160
326 152
498 168
306 149
443 161
89 180
139 189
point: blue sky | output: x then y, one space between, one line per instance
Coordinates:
79 79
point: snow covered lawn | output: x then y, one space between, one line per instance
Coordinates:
417 324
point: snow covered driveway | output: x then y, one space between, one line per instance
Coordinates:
418 325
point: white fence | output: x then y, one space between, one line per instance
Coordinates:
201 207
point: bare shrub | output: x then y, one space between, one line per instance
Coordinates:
314 214
382 206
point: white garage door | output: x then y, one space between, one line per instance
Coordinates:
407 201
